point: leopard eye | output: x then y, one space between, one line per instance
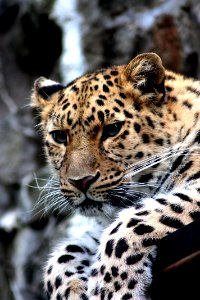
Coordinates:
111 130
59 136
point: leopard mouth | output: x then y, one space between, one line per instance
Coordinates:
112 200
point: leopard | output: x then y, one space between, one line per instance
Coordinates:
123 143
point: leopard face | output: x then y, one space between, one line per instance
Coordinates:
102 125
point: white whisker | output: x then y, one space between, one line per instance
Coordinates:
152 161
50 198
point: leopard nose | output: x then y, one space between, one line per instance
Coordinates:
84 183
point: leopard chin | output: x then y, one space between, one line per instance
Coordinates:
89 206
92 208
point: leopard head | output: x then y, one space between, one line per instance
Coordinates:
98 126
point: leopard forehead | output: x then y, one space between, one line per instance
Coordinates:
108 95
96 98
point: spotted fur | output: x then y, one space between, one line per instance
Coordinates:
124 145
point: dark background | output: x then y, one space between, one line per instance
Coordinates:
33 43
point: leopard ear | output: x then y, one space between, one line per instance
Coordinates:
43 91
146 73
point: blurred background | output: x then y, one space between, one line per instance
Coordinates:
63 39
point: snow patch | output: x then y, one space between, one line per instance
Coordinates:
9 220
72 63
